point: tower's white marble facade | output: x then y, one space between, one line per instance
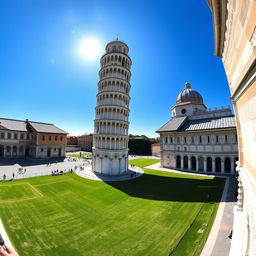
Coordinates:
110 139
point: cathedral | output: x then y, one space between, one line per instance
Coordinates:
198 139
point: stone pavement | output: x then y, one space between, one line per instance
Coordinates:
86 172
31 168
218 243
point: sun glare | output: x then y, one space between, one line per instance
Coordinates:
89 48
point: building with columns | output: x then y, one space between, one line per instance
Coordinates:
198 139
110 139
234 23
19 139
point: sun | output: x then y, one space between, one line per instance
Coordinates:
89 48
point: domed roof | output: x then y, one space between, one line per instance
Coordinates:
189 95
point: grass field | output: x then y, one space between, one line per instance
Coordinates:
82 155
157 214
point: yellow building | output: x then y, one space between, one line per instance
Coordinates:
235 42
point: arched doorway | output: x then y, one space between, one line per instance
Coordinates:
193 163
209 164
218 164
1 150
178 162
235 160
14 151
200 163
48 152
185 162
27 152
227 166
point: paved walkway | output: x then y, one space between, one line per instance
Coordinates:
218 243
86 172
31 168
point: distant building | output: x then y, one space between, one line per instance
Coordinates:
72 140
235 42
19 139
196 139
85 142
155 149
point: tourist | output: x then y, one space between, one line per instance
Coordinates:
4 177
13 175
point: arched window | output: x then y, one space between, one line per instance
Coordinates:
185 162
209 164
218 164
178 162
193 163
227 167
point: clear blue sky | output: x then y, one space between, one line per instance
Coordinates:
42 77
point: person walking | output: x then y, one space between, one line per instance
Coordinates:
13 175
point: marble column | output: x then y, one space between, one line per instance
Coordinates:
213 165
232 165
189 163
222 165
205 165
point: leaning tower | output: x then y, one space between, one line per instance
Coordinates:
110 139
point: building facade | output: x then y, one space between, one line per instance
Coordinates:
85 142
198 139
110 139
155 149
235 42
19 139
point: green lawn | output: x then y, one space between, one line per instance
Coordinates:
82 155
157 214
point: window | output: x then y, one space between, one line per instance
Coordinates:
55 149
178 139
226 138
27 136
42 150
8 149
43 137
22 136
9 136
171 140
236 138
185 139
166 140
2 135
208 138
200 139
61 138
50 137
183 111
217 139
192 139
15 136
56 137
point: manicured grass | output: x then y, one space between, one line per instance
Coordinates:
82 155
157 214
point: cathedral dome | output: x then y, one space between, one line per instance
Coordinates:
189 95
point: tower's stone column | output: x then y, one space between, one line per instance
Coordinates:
110 139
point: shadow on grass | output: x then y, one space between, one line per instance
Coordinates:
154 187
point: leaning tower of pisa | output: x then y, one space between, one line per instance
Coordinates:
110 139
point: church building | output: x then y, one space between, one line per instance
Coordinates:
197 139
